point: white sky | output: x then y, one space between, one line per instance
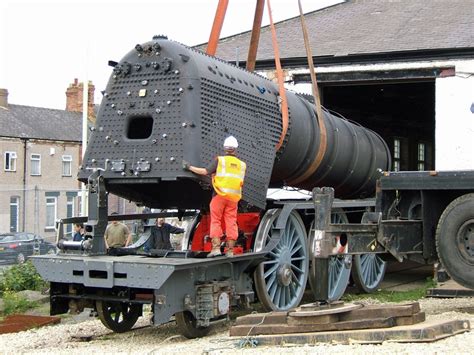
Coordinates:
44 45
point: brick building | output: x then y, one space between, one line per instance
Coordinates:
40 152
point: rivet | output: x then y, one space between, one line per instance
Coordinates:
184 124
122 173
180 89
112 168
139 54
113 105
157 53
136 173
92 128
107 138
93 161
158 110
176 71
116 142
119 113
154 141
156 91
128 93
172 159
115 76
144 82
164 135
168 102
157 159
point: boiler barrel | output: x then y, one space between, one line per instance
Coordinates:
165 103
353 158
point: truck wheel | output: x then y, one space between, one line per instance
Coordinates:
118 316
281 280
339 265
455 240
187 326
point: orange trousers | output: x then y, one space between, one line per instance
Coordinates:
221 208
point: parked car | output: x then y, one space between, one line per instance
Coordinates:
16 247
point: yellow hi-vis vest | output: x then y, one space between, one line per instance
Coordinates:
229 177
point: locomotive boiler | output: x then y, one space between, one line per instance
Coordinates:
165 103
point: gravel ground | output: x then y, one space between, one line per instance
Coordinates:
165 339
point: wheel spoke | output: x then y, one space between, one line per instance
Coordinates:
270 271
299 247
294 267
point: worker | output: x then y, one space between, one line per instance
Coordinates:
228 173
117 234
78 232
160 235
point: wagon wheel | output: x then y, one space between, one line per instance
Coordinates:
280 281
187 326
339 266
368 272
455 239
118 316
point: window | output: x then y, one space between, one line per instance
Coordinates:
396 154
14 213
35 164
51 211
67 165
69 213
421 156
10 161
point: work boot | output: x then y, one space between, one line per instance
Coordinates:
216 248
230 248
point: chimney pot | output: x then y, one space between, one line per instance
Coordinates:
4 98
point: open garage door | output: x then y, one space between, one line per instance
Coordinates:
403 113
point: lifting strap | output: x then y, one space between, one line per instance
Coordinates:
257 24
281 87
217 27
319 112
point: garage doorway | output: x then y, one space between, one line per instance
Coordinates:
402 113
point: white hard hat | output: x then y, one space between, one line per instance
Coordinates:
231 142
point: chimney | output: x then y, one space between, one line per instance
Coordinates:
74 97
4 98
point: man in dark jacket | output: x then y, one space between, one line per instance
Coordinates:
160 234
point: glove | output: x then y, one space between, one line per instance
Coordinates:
186 165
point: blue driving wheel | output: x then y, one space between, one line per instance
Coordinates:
368 272
280 281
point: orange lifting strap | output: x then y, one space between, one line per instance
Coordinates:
217 27
281 87
322 127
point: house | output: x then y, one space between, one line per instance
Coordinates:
40 153
403 68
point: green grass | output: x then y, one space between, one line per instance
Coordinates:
14 303
393 296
